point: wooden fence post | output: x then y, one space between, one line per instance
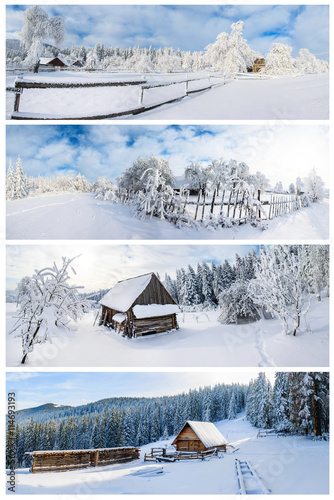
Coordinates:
141 95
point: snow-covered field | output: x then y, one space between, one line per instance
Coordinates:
81 216
286 98
200 341
286 465
282 98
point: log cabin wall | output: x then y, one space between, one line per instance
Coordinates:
158 324
71 459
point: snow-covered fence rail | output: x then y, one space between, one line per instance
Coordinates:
151 95
248 480
57 460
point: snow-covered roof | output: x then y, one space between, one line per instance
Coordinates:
207 432
124 293
47 60
153 310
119 317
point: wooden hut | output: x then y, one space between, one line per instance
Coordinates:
199 436
258 64
139 306
58 460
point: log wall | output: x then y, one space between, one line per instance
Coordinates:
43 461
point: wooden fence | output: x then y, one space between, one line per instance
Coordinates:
181 89
162 455
231 205
58 460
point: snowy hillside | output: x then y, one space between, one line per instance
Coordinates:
286 465
200 341
81 216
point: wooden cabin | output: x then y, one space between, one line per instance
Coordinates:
258 65
58 460
55 62
199 436
139 306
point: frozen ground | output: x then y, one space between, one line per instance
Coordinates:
284 98
200 341
81 216
286 465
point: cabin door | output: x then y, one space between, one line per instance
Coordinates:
193 445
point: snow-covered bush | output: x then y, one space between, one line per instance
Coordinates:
236 303
154 199
45 302
104 189
279 60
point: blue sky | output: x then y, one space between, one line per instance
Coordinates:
188 27
77 388
102 266
280 150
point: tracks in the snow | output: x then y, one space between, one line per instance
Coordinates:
248 480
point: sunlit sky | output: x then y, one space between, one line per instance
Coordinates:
63 388
188 27
102 266
281 151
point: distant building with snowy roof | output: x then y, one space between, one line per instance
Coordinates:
139 306
199 436
53 61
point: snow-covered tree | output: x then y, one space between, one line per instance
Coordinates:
46 301
198 176
230 53
10 182
236 302
279 60
153 200
280 285
20 180
306 62
133 179
38 27
314 186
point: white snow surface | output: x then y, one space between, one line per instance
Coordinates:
152 310
82 216
124 293
285 98
286 465
281 98
200 341
208 433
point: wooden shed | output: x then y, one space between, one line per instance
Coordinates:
139 306
199 436
258 64
58 460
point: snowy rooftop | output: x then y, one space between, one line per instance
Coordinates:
47 60
207 432
122 296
